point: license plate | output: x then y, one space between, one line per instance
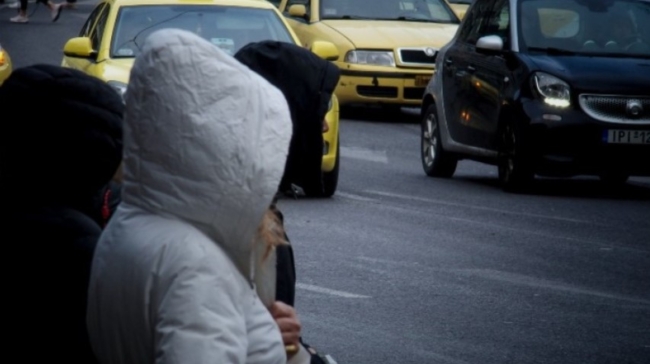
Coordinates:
626 136
422 81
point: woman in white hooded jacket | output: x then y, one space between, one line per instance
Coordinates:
174 273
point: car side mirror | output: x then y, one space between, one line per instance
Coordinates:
490 43
298 11
79 47
325 50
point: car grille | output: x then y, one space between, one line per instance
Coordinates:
377 91
416 57
414 93
616 108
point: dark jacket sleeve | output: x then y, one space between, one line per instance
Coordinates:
286 269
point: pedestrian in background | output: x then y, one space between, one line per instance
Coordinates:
55 10
56 156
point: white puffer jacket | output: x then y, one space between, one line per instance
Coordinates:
205 146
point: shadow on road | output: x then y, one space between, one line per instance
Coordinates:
574 187
380 114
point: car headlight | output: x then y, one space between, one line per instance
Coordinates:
553 91
119 87
378 58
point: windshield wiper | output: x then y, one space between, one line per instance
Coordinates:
353 17
411 18
553 51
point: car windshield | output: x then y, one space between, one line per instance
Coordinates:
227 27
616 28
436 11
466 2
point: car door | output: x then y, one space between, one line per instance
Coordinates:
300 26
487 74
96 66
82 64
456 75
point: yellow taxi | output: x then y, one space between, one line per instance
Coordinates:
387 48
5 65
115 30
460 6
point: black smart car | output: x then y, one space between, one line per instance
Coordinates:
543 87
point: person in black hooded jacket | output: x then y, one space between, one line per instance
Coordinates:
56 158
307 83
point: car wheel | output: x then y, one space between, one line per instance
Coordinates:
515 171
331 178
435 160
614 179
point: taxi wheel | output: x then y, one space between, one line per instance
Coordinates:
331 179
436 162
515 171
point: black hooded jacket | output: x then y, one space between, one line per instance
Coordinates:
57 153
307 82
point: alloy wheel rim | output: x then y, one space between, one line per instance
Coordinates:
430 141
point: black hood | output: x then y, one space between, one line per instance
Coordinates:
307 82
61 138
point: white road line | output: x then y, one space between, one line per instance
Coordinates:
317 289
351 196
364 154
422 199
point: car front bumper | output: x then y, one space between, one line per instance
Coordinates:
570 142
396 87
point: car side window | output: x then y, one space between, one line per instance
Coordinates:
92 19
499 22
98 32
492 18
475 18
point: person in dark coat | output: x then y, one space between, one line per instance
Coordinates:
57 157
307 82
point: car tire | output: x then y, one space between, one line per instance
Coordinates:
436 162
614 179
515 169
331 178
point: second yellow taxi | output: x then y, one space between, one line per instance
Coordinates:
387 47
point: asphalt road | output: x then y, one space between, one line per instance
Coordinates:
401 268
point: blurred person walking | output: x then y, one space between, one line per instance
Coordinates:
22 17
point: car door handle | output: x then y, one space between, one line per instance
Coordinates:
471 68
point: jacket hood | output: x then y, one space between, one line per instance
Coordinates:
65 143
206 140
307 82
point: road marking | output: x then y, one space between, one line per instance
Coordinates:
351 196
519 279
428 200
364 154
317 289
